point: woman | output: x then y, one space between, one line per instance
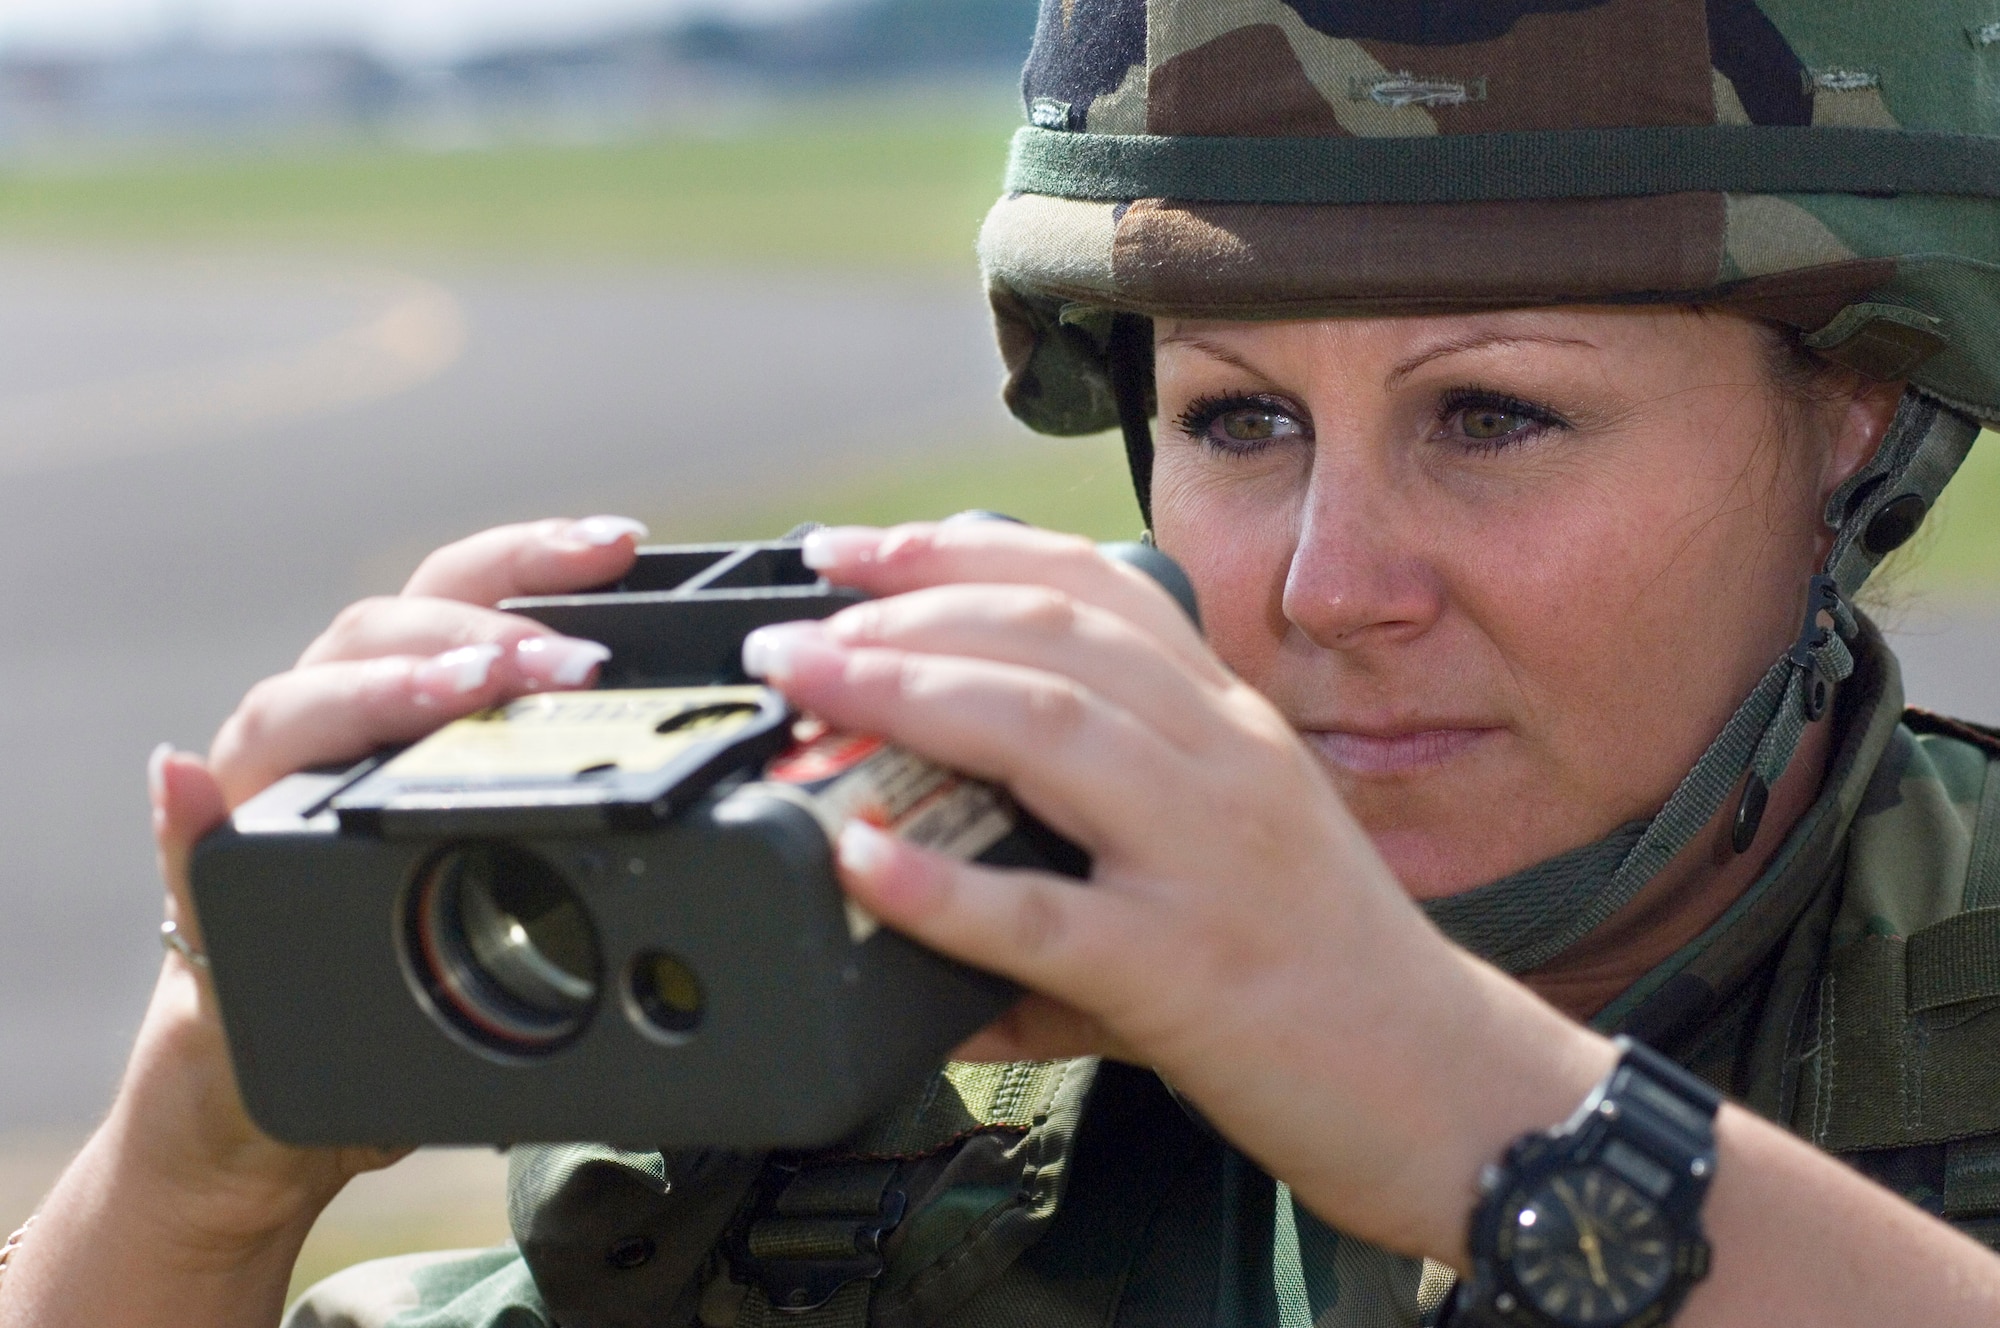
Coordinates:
1503 488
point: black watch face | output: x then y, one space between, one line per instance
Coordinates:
1588 1250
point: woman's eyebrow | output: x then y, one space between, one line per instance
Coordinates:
1477 341
1215 350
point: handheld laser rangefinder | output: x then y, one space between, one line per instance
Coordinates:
610 915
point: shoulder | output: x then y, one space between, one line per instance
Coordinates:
450 1289
1917 831
1927 723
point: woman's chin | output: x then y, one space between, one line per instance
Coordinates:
1432 864
1447 853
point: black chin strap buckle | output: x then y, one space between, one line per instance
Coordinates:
1822 600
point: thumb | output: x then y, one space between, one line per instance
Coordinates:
187 804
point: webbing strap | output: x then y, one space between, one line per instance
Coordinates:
1906 1035
1972 1177
1469 168
1955 960
964 1099
1288 1274
1982 871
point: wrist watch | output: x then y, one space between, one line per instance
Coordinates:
1597 1223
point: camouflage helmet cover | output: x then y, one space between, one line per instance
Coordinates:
1830 164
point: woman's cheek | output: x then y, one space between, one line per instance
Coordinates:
1234 537
1589 614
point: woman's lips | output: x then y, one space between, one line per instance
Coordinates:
1393 754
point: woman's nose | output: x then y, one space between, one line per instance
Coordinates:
1361 573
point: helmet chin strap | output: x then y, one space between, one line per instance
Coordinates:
1522 921
1128 354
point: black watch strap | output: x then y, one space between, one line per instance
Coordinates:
1670 1106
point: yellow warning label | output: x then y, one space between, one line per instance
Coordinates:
563 734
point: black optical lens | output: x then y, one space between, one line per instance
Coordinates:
504 947
667 994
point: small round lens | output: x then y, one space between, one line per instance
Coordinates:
504 947
667 994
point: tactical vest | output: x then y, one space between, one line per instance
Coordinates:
1852 994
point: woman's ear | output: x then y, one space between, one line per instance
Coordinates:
1860 419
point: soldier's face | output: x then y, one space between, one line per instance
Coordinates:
1507 573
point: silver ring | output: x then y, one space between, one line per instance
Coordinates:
171 939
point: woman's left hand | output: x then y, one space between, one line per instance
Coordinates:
1239 931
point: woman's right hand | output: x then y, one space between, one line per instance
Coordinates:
179 1179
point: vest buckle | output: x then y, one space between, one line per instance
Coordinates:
815 1228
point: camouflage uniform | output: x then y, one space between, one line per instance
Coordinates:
1828 166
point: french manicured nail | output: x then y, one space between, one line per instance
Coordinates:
156 773
981 514
772 653
864 850
601 532
457 672
558 661
836 546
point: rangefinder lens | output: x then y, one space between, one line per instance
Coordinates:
504 947
667 994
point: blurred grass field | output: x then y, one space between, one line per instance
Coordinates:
1958 554
1071 484
897 185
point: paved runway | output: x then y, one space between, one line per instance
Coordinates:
200 462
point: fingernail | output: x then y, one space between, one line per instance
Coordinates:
156 773
599 532
839 545
864 850
981 514
558 661
772 653
457 672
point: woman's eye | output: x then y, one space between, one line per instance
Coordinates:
1241 425
1493 421
1488 423
1254 426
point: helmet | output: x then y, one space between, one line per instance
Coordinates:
1826 165
1829 165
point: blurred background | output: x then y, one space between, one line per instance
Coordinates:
293 290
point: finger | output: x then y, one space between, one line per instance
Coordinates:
1074 944
1048 629
415 625
330 713
187 804
892 562
555 557
529 657
1086 766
